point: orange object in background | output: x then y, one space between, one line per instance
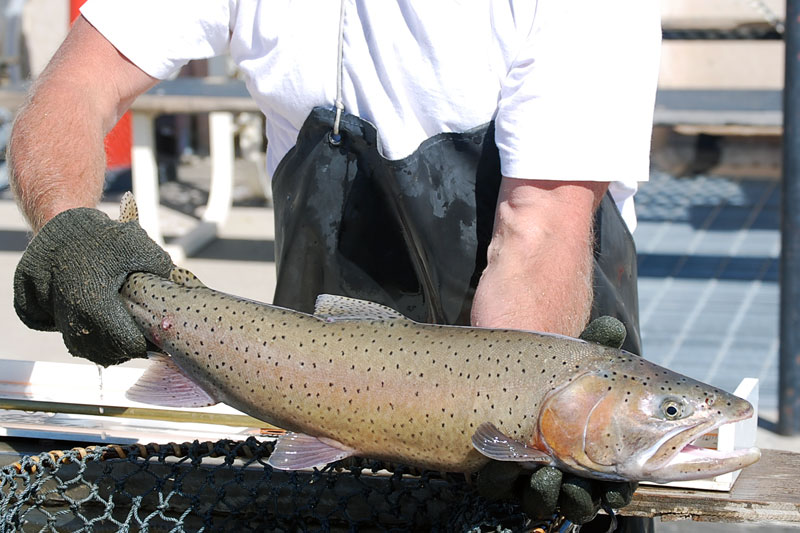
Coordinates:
119 140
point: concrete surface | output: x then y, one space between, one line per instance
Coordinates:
238 262
708 252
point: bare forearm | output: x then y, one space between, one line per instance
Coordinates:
523 289
56 154
539 273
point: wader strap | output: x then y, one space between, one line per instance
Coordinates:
335 138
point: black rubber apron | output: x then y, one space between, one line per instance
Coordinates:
412 233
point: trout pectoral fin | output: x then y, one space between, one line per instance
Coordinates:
492 443
164 383
294 451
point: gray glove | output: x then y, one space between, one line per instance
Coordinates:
547 489
69 277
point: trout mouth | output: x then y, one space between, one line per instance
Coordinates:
679 459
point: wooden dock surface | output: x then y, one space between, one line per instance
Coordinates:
766 491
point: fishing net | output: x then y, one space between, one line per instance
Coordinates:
227 486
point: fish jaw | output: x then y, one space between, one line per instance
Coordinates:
694 462
612 423
677 459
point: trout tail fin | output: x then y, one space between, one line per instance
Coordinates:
128 212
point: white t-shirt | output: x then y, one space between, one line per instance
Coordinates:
570 83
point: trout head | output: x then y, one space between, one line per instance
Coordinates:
628 419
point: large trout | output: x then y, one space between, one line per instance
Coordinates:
357 378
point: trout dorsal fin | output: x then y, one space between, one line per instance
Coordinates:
128 211
332 308
184 278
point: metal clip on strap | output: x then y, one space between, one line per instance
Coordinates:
335 138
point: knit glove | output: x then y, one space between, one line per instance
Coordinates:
69 277
548 489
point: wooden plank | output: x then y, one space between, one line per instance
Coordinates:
761 108
718 13
766 491
204 95
182 95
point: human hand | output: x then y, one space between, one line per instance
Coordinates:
69 277
548 489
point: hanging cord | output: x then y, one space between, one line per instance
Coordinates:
768 14
335 137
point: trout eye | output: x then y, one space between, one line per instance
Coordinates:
671 409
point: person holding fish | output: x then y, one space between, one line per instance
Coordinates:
460 163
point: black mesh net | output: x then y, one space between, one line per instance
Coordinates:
227 486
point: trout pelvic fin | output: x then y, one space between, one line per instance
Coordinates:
489 441
332 308
294 451
165 383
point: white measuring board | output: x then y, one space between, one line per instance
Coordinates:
103 388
